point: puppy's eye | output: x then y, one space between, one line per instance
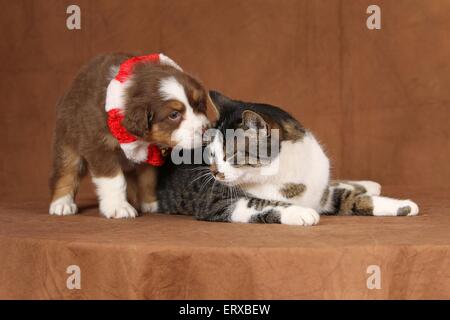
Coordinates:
174 115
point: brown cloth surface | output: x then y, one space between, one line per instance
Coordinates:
379 101
176 257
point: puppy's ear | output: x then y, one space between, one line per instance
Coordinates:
137 121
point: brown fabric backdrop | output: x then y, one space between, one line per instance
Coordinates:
378 100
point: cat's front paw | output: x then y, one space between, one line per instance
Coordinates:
63 206
295 215
117 209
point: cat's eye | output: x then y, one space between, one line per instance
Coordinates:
174 115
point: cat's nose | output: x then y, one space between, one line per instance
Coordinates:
220 176
213 169
215 172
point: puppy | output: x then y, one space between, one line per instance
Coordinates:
113 121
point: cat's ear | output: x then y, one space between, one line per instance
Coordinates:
220 100
252 120
212 110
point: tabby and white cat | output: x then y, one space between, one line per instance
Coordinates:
296 193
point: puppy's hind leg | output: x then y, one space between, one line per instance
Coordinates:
68 167
132 188
147 180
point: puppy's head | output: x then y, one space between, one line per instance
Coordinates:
165 106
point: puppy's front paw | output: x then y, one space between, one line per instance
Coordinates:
63 206
295 215
149 207
117 210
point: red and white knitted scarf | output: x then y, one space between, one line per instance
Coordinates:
135 150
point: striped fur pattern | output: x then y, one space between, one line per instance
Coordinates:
296 193
363 198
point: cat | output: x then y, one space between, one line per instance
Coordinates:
297 192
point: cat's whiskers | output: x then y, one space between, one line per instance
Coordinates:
237 187
206 182
234 194
233 156
202 176
200 168
212 188
230 193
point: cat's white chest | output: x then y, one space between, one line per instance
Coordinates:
299 176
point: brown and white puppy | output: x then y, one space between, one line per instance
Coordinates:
164 106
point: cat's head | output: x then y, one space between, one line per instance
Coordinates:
246 145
